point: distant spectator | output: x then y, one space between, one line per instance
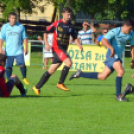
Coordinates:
98 40
48 54
39 37
85 35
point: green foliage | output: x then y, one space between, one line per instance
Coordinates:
25 6
120 9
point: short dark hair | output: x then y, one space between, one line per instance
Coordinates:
66 9
2 58
129 22
84 21
12 13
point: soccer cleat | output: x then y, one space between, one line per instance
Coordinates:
120 98
62 87
37 91
75 75
128 90
24 95
25 81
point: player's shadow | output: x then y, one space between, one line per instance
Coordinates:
90 84
35 96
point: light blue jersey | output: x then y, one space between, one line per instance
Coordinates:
119 40
13 37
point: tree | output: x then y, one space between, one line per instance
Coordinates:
58 4
119 9
25 6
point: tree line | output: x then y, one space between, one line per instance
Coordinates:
97 9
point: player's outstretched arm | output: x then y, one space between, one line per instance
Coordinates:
78 44
106 44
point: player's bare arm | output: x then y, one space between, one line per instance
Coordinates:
106 44
78 44
71 40
97 42
26 47
132 55
47 46
1 43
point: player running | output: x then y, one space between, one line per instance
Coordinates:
6 88
115 41
61 30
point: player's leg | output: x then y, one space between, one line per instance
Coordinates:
21 62
128 90
14 80
52 59
92 75
45 62
45 77
9 65
120 72
64 73
63 56
65 70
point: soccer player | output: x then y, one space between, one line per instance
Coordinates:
14 34
115 41
61 30
6 88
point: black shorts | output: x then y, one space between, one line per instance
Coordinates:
59 57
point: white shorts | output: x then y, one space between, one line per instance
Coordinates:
48 54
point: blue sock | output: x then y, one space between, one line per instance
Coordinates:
8 72
92 75
118 85
23 71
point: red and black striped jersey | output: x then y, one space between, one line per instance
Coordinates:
61 34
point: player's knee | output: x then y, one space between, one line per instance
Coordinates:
121 72
102 77
69 64
8 68
15 78
22 66
51 71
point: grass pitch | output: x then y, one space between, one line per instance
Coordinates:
88 108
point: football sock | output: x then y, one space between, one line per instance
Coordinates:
64 73
118 85
8 72
23 71
132 89
92 75
43 80
21 88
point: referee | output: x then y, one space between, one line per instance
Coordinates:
14 34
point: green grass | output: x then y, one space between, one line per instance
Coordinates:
89 107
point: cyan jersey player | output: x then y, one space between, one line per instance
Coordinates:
115 41
14 34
